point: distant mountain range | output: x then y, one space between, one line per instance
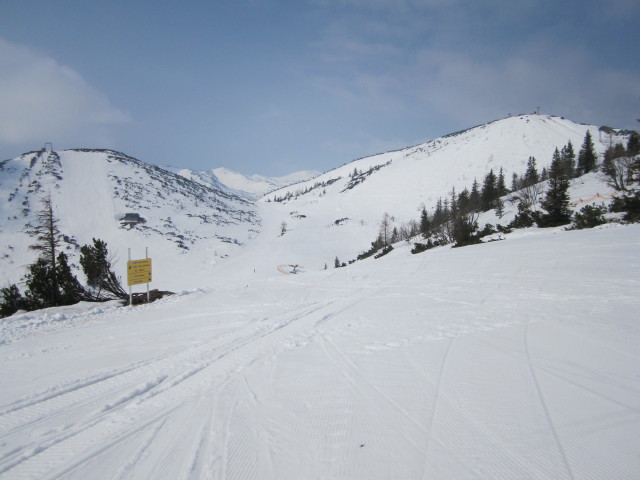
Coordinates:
252 187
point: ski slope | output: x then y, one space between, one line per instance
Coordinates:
513 359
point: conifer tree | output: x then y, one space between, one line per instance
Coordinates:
474 197
587 156
556 169
453 204
489 191
425 222
70 289
440 214
515 182
544 175
47 242
97 266
568 160
464 201
556 201
531 174
501 187
12 300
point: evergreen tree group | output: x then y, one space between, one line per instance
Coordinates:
49 280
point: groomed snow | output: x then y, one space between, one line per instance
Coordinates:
513 359
517 358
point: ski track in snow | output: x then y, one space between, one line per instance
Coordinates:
467 363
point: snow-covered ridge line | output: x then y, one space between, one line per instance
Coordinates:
92 190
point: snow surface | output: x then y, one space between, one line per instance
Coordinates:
513 359
517 358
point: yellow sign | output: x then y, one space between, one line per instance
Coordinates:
138 271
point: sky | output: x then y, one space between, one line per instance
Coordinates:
273 87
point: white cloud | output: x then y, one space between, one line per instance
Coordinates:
41 100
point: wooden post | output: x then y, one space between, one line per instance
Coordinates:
146 255
130 294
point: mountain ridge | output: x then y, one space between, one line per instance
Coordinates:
194 220
92 190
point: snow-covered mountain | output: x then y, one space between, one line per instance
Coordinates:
250 186
259 185
195 218
186 224
341 209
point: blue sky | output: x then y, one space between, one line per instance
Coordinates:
273 87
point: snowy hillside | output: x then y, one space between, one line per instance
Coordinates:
514 359
341 210
186 223
194 219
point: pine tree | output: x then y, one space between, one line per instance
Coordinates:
39 282
501 187
97 266
474 197
440 214
568 160
70 289
425 223
556 169
12 300
587 156
49 281
544 175
515 182
47 242
531 174
489 191
454 207
464 201
556 201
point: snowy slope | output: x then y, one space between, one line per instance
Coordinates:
195 219
515 359
341 212
188 225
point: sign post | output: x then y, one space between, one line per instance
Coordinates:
138 271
